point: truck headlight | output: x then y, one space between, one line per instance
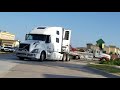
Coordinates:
35 51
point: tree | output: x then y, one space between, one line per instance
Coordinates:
100 42
111 53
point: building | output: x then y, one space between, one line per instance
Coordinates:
8 39
100 45
81 49
89 45
6 35
107 49
93 47
112 49
118 51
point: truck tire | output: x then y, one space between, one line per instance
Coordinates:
21 58
104 59
42 56
67 57
64 57
77 57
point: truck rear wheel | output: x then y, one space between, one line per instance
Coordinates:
77 57
42 56
64 57
67 57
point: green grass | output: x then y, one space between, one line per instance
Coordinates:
111 62
106 68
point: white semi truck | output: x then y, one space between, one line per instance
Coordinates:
46 43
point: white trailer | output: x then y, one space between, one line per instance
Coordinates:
51 43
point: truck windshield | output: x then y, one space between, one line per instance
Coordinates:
36 37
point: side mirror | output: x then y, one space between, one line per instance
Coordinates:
26 36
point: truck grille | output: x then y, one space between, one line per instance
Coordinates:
24 47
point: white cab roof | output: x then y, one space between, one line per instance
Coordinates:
45 30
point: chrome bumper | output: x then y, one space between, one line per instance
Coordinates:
26 55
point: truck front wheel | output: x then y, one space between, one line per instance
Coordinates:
42 56
21 58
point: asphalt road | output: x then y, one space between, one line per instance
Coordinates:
12 67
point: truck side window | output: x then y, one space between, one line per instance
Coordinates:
66 37
57 32
57 40
48 40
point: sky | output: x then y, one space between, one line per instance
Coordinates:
86 27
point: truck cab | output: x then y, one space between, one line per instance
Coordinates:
51 43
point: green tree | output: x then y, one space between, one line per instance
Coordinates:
111 53
99 43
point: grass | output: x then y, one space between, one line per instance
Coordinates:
106 68
111 62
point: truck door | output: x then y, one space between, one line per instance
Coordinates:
66 40
49 46
57 40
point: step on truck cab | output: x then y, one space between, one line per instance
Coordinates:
51 43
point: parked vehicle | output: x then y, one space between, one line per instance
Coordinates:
100 55
8 49
51 43
96 54
1 47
